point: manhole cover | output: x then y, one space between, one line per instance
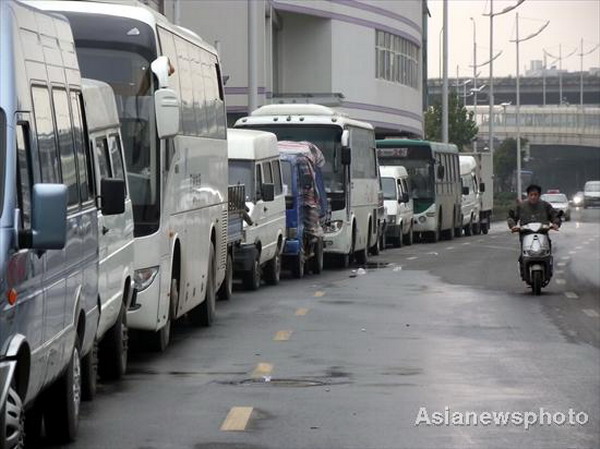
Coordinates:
290 383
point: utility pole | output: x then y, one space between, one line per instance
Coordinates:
252 56
445 75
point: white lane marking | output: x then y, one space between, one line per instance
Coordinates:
560 282
559 271
565 257
561 264
506 248
412 258
579 247
467 243
450 247
572 252
571 295
591 313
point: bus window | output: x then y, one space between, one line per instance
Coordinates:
45 135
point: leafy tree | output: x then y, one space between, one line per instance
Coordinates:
462 129
505 162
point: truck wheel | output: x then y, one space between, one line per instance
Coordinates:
316 263
113 349
89 373
273 269
251 279
61 405
298 265
204 313
226 289
12 421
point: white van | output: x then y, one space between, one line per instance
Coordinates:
398 205
254 162
470 205
115 231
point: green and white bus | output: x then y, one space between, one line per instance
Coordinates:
434 173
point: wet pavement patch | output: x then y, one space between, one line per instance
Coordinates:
403 371
281 382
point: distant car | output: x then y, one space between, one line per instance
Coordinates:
560 202
577 200
591 194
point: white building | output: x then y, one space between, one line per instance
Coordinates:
361 57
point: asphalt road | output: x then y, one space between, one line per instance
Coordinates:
352 361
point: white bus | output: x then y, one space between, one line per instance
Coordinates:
177 177
351 173
434 174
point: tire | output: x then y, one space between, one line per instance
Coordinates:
62 402
484 228
316 262
113 349
226 290
273 269
251 279
89 374
536 283
204 313
374 250
408 238
161 338
469 228
298 265
383 241
477 228
12 421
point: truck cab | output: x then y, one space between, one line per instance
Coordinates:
307 209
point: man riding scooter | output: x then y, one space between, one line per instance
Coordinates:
533 210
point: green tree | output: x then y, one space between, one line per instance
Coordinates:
462 129
505 162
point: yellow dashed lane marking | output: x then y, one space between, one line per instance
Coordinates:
283 336
591 313
262 369
237 419
301 312
571 295
319 294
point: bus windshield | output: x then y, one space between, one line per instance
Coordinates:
242 173
420 173
389 189
119 51
327 138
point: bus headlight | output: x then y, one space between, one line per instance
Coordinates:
144 277
334 226
422 219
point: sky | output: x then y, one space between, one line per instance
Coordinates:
570 21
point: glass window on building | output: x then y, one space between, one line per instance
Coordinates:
396 59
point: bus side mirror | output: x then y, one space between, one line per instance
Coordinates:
346 156
112 196
48 218
482 187
440 172
166 104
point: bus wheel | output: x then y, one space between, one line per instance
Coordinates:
484 228
316 263
204 313
162 337
273 269
226 289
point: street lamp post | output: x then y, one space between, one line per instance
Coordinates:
474 67
492 15
517 41
560 60
581 55
445 76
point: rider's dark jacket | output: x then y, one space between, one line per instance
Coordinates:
542 212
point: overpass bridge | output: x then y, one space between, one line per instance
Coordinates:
564 141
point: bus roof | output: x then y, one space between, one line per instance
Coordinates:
393 171
131 9
437 147
299 114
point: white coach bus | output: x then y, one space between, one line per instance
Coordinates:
350 173
176 153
